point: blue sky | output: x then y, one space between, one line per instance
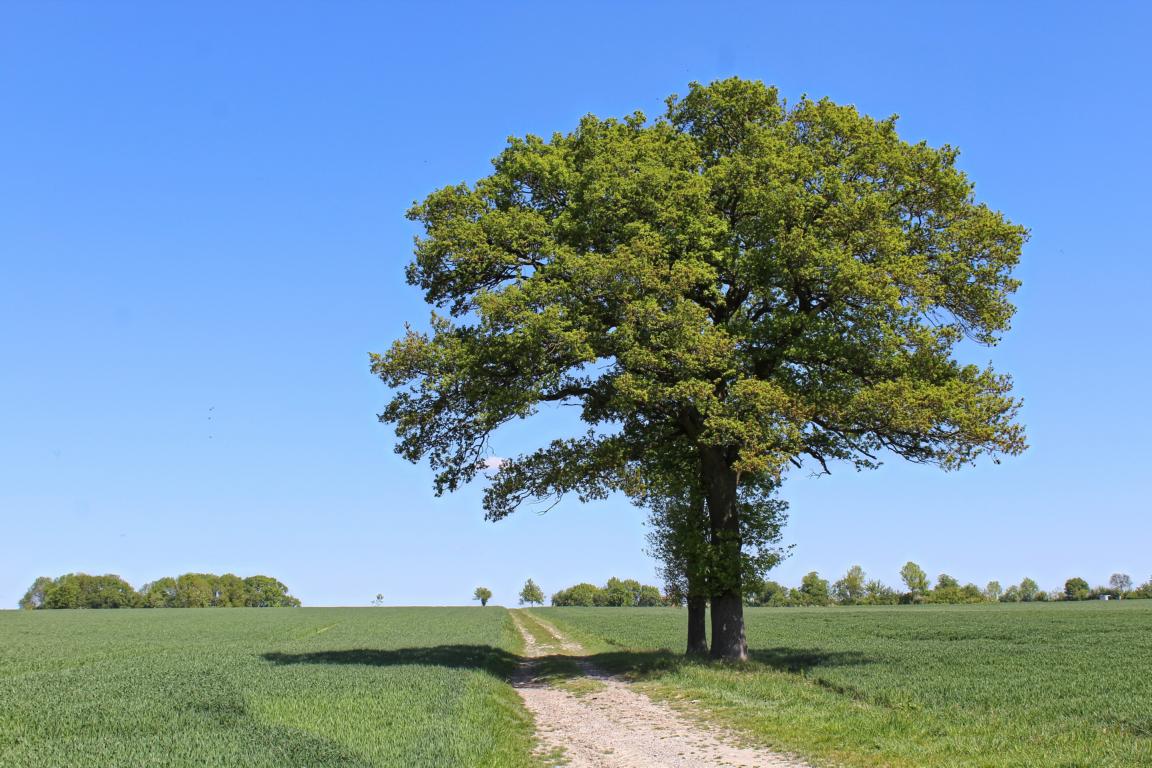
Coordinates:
202 237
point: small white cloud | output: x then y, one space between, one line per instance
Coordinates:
493 462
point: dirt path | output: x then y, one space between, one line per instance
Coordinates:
613 726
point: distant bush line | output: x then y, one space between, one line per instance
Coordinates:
622 593
854 588
191 590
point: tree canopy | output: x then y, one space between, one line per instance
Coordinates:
189 590
760 284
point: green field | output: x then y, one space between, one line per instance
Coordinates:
926 686
313 687
1038 685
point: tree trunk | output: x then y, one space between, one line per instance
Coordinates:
728 640
697 583
697 627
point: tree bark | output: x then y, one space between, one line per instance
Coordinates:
728 640
697 626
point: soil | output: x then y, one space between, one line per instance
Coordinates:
614 726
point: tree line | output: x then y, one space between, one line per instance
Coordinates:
616 593
854 588
189 590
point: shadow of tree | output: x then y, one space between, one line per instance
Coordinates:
482 657
646 664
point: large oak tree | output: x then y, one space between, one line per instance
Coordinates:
756 283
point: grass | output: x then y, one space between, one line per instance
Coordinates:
258 688
1012 686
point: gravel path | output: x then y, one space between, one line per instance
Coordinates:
616 727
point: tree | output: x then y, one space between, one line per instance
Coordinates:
877 592
759 284
583 594
814 590
483 594
378 601
915 579
267 592
679 538
993 591
34 597
531 594
1029 589
1076 589
159 594
1121 584
850 589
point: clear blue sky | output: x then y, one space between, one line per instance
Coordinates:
202 237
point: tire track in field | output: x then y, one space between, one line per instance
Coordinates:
615 726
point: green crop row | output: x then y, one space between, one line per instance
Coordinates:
1011 686
250 688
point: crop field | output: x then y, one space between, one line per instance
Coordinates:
1038 685
250 688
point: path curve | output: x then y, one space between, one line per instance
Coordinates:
615 726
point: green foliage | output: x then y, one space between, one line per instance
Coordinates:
531 594
617 593
35 596
81 590
915 579
483 594
744 282
584 595
935 686
993 591
1029 590
1076 589
190 590
814 590
308 688
850 590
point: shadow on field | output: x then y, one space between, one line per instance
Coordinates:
501 663
483 657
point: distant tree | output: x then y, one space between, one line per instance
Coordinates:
378 600
531 594
1121 584
34 597
267 592
584 594
1011 595
1029 589
195 590
915 579
814 590
877 592
1143 591
849 590
619 593
649 597
229 592
483 594
944 581
970 593
1076 589
993 591
82 590
159 594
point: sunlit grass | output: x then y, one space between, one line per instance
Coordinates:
926 686
253 688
